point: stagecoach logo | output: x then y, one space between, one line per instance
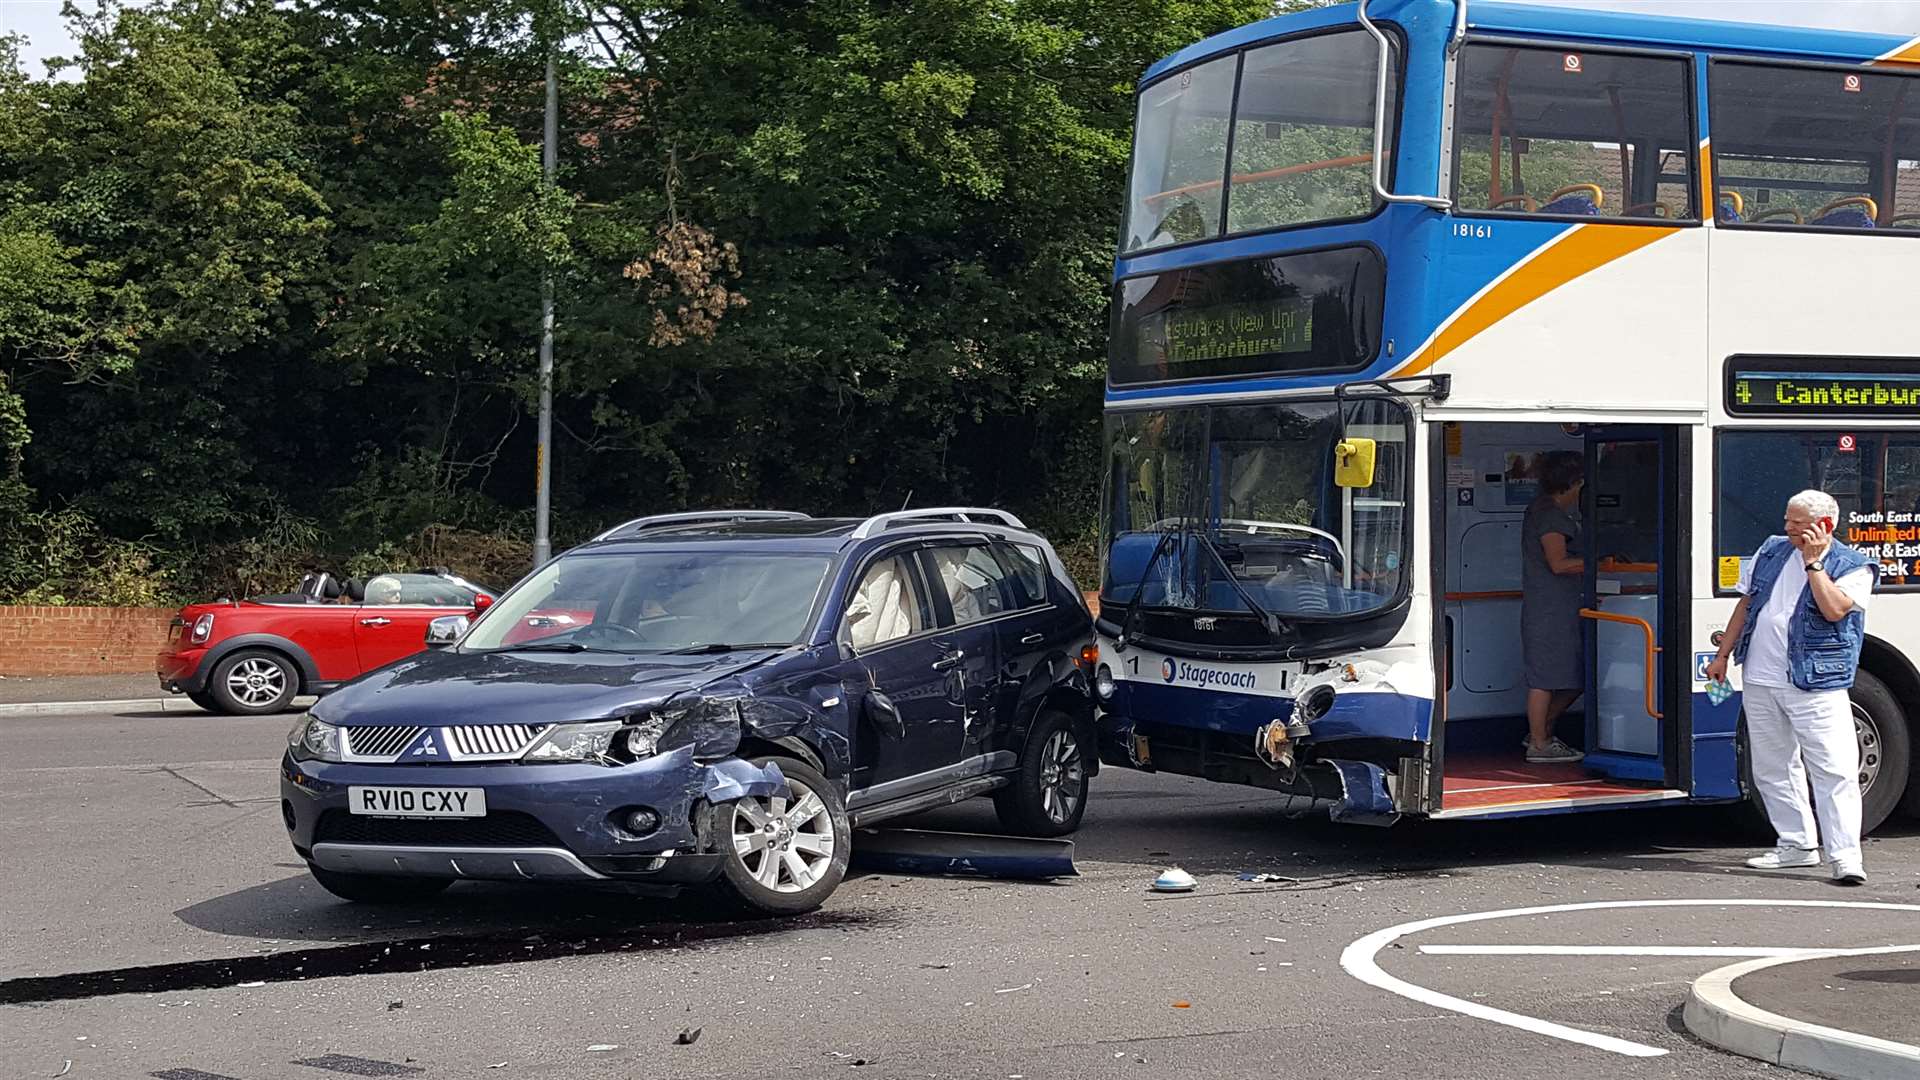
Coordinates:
1197 675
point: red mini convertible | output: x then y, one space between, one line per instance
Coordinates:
254 656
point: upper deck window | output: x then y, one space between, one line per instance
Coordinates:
1815 147
1299 135
1573 132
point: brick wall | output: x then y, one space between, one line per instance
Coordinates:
81 640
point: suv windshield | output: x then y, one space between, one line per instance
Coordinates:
1234 510
656 601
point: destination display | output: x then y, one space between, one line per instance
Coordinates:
1218 331
1314 311
1797 387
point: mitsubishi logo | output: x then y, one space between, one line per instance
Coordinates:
425 746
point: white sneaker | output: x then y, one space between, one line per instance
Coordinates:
1849 872
1784 857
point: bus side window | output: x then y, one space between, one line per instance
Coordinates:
1557 131
1815 147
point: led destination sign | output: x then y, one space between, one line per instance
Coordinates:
1886 388
1219 331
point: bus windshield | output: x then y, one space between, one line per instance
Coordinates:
1298 134
1233 510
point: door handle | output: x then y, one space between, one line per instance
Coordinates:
375 622
950 660
1034 638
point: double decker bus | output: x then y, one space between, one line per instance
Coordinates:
1377 260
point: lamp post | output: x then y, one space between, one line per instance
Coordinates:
543 470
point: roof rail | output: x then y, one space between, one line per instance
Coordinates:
694 517
879 523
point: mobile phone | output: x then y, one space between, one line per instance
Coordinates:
1827 523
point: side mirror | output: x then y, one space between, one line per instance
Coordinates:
1353 463
481 602
446 630
886 718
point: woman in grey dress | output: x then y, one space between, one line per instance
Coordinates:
1552 584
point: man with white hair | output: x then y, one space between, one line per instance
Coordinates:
1798 652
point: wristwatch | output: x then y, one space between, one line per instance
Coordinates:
1817 564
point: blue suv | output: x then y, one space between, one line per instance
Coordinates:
709 698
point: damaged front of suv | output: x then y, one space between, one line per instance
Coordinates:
671 731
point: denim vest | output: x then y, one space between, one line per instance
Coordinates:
1821 655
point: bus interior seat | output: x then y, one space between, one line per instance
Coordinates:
1583 199
1733 207
1856 212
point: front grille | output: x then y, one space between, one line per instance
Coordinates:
494 740
507 828
380 741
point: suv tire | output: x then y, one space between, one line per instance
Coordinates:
762 838
253 682
1048 793
377 889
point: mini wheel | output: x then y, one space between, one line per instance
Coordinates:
253 682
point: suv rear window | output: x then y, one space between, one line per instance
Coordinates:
1029 565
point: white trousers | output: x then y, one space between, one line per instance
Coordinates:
1793 734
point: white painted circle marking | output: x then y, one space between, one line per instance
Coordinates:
1358 961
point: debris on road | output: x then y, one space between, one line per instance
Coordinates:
395 1006
922 851
601 1048
687 1036
1173 879
1263 879
65 1069
1015 989
1183 1004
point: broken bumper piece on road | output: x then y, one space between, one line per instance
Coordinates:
918 851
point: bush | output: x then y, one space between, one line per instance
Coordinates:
61 557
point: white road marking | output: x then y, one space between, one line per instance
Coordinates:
1616 950
1358 960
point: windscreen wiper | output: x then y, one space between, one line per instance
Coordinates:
726 647
1268 619
1139 586
542 646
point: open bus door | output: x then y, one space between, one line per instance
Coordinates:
1632 717
1636 585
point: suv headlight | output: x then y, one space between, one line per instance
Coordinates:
314 740
575 742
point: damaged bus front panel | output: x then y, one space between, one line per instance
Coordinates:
1257 622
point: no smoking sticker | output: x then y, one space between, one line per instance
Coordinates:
1846 445
1570 63
1851 84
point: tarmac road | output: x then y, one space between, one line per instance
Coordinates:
156 923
